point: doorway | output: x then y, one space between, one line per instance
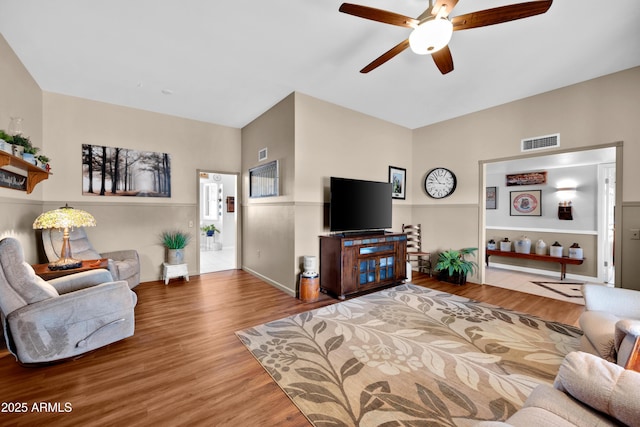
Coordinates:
604 189
218 221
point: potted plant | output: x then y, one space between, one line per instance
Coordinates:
44 161
20 143
453 267
210 229
5 142
29 154
175 241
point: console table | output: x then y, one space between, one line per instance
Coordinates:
358 263
535 257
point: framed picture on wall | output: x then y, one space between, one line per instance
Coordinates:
398 179
492 198
529 178
526 203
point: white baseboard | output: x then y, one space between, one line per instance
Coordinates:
273 283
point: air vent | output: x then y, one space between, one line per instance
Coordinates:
540 142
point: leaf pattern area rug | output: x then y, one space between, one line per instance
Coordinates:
410 356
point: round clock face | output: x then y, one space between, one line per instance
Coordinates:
439 183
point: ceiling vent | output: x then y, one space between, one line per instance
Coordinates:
540 142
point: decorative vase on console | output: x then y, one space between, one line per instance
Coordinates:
541 247
505 245
556 250
523 245
575 251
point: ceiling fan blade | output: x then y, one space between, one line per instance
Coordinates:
450 4
386 56
499 15
378 15
443 60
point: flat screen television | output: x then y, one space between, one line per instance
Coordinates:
358 205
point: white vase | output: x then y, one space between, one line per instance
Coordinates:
175 256
505 246
523 245
541 247
575 251
555 251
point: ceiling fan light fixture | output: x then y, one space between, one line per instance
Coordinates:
431 36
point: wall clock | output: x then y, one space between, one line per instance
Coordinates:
440 183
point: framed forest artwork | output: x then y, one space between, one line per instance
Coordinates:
114 171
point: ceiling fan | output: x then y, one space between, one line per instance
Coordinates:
432 30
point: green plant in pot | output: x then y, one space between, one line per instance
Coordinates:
5 136
20 144
6 145
453 267
29 154
210 229
175 241
44 161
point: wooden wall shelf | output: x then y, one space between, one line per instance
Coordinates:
34 173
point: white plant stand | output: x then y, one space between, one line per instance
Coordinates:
169 271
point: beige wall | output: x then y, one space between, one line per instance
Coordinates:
268 223
20 96
124 222
335 141
589 114
313 140
61 124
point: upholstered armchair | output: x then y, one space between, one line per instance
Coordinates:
123 265
610 322
64 317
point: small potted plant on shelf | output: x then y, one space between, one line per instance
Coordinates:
5 142
43 162
210 229
20 143
175 241
29 154
452 266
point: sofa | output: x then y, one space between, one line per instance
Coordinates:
587 391
610 322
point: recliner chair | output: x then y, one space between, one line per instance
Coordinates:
64 317
610 322
123 265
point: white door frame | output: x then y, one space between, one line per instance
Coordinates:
606 222
237 211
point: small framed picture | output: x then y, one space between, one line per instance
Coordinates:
526 203
398 180
492 198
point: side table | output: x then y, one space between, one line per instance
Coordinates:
43 271
169 271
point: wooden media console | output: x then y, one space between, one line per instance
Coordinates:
563 261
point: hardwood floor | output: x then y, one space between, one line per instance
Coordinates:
185 366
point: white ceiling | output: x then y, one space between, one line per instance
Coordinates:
228 61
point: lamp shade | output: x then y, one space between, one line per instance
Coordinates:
65 217
431 36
